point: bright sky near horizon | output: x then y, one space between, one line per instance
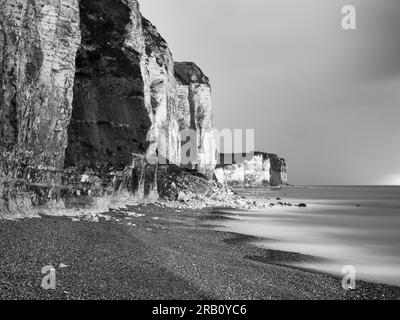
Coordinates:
326 99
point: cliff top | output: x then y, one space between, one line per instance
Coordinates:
223 157
153 38
189 72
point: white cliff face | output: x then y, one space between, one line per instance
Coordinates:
195 112
159 86
183 106
258 170
253 172
163 94
200 95
38 44
235 174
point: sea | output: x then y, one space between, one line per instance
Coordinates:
356 226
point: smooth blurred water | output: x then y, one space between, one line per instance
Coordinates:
332 227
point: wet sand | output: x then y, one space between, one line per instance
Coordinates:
168 254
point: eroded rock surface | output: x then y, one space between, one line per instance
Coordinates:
253 170
110 119
38 44
182 188
195 112
164 133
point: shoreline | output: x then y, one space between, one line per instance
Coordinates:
276 256
156 253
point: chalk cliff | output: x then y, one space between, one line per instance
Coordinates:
110 118
89 88
38 44
92 104
195 112
252 170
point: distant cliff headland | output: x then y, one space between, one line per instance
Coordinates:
89 91
256 169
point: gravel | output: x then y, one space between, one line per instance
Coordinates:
174 257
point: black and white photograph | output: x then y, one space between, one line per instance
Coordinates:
199 151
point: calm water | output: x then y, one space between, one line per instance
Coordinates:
332 227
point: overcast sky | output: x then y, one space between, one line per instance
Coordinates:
326 99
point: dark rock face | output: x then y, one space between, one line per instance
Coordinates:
113 109
278 170
188 73
109 119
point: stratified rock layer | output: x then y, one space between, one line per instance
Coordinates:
164 135
194 109
38 44
110 119
124 97
278 170
252 170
